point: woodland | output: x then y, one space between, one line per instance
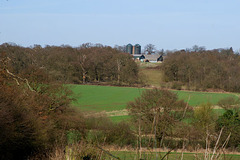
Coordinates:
204 69
37 120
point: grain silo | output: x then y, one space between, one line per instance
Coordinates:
137 49
129 48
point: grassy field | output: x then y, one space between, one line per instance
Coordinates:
107 98
125 155
197 98
113 100
103 98
151 77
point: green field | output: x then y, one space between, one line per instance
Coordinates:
152 77
197 98
103 98
107 98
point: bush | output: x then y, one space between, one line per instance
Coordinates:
230 120
177 85
120 135
32 121
104 131
22 132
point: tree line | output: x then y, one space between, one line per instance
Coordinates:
203 69
85 64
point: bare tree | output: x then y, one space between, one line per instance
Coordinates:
155 108
149 49
197 48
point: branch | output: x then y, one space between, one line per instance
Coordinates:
15 78
186 107
107 152
167 154
215 148
225 144
227 140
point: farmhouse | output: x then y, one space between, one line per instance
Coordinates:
154 58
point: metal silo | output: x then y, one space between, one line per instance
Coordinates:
129 48
137 49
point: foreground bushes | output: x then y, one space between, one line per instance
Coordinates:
103 131
32 119
29 127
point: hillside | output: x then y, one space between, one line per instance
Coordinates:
113 100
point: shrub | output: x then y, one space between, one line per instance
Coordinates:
177 85
230 120
31 121
104 131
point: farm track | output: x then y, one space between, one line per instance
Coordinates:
125 112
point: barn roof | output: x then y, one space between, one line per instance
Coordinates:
152 57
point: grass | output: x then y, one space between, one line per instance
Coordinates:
107 98
219 111
152 76
197 98
103 98
111 99
147 65
118 119
126 155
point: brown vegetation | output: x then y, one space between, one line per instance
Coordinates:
32 119
36 118
203 70
65 64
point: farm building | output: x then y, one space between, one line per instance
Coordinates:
148 58
129 48
134 50
154 58
139 57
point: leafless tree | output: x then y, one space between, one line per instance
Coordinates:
149 49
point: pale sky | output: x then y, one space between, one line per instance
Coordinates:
168 24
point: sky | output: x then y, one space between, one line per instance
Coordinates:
167 24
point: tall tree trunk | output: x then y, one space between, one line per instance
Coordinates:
119 69
140 138
82 62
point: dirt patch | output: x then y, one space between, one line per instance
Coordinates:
123 112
